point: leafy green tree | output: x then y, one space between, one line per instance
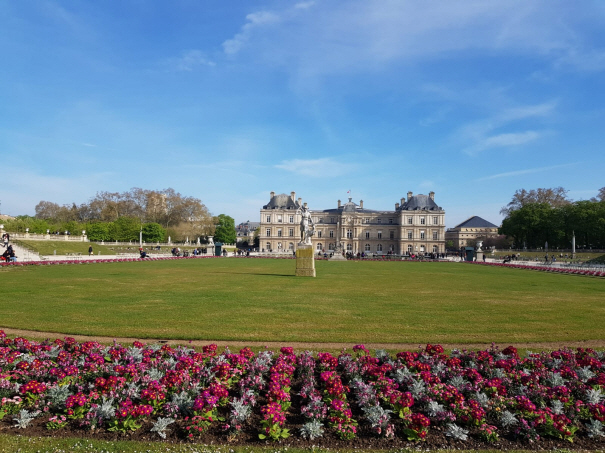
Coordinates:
98 231
125 229
153 232
225 230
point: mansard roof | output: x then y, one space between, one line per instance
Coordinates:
420 202
476 222
282 201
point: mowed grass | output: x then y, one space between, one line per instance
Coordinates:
262 300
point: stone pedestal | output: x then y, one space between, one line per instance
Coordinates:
305 261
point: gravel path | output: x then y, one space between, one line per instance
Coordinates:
304 345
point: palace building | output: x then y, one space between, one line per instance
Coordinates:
415 226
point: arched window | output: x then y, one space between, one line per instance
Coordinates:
291 245
368 247
268 246
349 247
319 246
331 246
279 246
379 248
422 249
435 249
410 248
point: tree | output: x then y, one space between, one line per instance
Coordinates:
554 197
47 210
153 232
225 230
98 231
601 195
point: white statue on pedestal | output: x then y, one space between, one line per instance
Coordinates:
307 228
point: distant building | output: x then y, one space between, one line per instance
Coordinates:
469 231
245 231
416 225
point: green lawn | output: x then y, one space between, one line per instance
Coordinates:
261 300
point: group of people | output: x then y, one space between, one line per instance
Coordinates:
9 253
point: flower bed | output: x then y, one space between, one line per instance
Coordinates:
466 399
552 269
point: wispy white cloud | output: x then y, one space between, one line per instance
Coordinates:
488 133
503 140
316 167
254 21
363 36
527 171
189 60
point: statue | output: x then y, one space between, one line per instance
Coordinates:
307 228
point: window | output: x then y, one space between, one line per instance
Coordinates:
349 247
279 247
268 232
367 235
435 235
278 219
331 219
422 220
422 235
319 246
410 249
379 234
391 248
367 220
410 234
379 248
268 246
349 234
409 220
435 220
435 249
331 233
291 246
319 234
268 219
390 221
331 246
422 248
367 247
291 232
291 219
391 235
379 221
279 232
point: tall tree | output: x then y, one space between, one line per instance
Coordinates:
225 230
554 197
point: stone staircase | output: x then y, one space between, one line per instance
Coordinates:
24 254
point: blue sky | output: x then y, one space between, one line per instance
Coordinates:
227 101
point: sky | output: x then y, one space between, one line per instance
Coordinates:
227 101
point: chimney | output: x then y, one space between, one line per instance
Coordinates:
432 195
299 201
396 206
293 196
339 203
402 201
305 205
272 194
409 195
361 204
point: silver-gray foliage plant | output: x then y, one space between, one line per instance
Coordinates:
58 395
456 432
24 418
595 428
508 419
594 396
312 429
161 426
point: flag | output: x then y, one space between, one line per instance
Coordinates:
348 191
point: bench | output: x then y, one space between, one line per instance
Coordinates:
76 255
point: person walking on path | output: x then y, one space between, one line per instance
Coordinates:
90 251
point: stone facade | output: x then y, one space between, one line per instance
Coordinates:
469 231
415 226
